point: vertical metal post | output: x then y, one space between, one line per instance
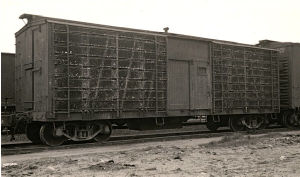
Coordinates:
51 65
117 75
212 78
189 85
156 85
272 76
32 73
245 78
86 66
167 75
68 58
143 81
229 77
254 77
278 82
222 91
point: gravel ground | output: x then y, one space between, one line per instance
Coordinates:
273 154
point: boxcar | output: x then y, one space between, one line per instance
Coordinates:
7 88
74 79
8 79
224 80
289 80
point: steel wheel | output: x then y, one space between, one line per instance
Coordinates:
290 120
236 123
33 132
211 125
105 133
48 137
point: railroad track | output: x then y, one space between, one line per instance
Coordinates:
25 148
190 123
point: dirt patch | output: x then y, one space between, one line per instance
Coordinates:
109 165
238 139
237 155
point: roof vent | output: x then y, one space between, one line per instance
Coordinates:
166 29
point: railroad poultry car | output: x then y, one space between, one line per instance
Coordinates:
289 54
74 79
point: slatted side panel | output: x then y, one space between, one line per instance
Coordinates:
244 78
275 80
284 79
105 70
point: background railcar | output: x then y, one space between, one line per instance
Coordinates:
7 80
7 89
289 79
74 79
11 121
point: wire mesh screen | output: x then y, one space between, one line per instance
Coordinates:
107 70
244 78
284 79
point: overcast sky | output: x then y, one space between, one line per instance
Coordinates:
245 21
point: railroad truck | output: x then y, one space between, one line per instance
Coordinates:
74 79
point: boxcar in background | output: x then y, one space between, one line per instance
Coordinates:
289 79
8 80
73 79
7 88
